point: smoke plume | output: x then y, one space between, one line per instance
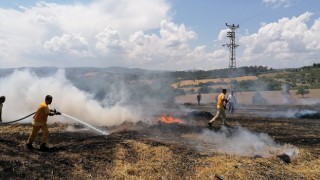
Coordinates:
24 91
241 141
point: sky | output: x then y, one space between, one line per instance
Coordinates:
159 34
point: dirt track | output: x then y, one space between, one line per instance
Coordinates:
162 151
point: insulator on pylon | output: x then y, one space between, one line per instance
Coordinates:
230 34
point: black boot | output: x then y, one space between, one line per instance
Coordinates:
29 146
43 147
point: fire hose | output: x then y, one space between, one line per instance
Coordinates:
18 119
54 111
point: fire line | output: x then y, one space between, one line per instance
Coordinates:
169 120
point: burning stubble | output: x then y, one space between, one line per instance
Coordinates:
24 91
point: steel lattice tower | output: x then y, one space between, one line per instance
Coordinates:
232 57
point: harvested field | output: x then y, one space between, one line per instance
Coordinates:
289 150
272 97
224 80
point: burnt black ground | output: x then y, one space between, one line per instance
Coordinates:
87 150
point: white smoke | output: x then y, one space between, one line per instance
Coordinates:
24 91
241 141
285 93
293 113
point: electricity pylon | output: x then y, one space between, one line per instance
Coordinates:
232 56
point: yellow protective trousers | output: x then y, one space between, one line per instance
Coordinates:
35 131
220 113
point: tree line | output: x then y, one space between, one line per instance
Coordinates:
299 79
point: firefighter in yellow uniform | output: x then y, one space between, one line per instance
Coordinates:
221 106
40 122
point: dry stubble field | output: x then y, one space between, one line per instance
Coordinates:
172 151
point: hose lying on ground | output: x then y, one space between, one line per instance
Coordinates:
18 119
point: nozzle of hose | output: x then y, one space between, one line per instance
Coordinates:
55 112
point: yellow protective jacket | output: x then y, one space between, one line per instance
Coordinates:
221 99
41 116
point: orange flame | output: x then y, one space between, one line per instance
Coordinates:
170 120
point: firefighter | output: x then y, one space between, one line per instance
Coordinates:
221 106
2 100
40 122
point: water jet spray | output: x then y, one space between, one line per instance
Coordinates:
86 124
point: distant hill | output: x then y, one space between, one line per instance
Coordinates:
260 77
164 85
119 70
50 70
253 78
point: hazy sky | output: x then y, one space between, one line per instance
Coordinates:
158 34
